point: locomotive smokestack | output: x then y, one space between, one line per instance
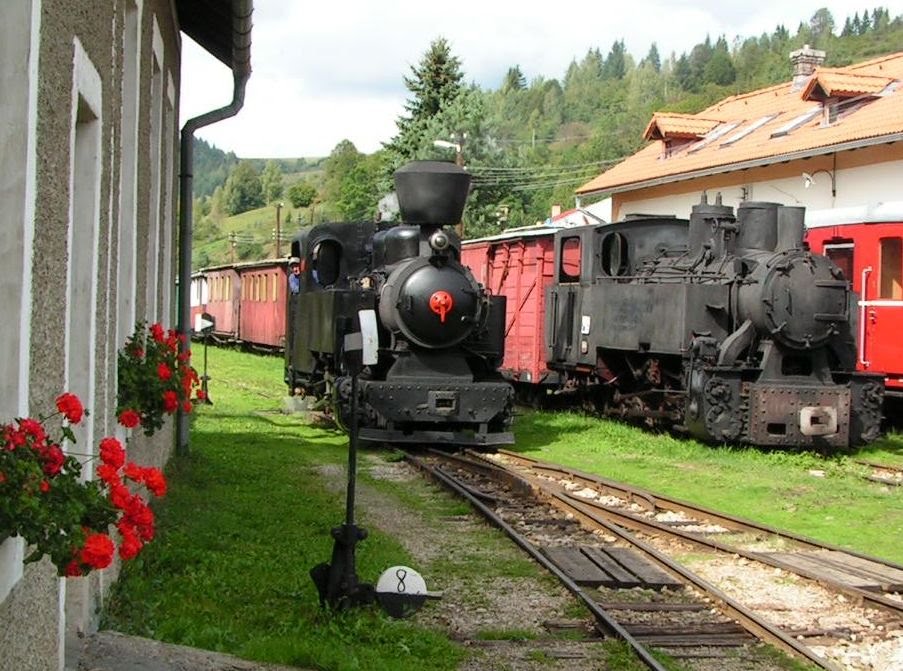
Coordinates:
431 192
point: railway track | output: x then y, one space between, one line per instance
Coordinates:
633 588
876 582
884 474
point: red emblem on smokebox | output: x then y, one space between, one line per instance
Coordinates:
441 303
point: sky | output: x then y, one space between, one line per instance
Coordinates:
330 71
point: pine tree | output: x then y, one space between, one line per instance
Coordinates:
514 80
653 59
435 82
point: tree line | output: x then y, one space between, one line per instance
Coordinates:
531 142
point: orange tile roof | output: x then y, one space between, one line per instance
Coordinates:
770 125
841 83
671 124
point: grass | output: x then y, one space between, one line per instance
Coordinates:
823 497
249 512
247 515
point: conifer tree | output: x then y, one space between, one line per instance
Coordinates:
435 82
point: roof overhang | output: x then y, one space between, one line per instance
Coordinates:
746 165
213 25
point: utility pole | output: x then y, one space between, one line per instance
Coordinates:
278 211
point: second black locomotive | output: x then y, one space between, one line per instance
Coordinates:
725 325
440 336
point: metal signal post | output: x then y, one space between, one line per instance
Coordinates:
337 582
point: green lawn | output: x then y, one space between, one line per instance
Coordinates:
249 512
245 518
826 498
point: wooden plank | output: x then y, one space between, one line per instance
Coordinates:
652 606
890 578
619 575
704 629
577 566
650 575
692 641
813 566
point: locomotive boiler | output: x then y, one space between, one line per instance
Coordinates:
440 335
724 326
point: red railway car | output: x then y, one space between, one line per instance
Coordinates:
519 264
262 304
867 243
223 290
246 300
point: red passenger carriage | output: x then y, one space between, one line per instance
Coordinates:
263 302
867 243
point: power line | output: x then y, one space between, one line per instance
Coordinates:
477 170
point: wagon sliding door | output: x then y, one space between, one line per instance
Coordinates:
563 300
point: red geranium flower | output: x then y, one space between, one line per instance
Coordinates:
98 551
73 570
129 418
44 486
163 372
53 460
71 407
131 544
170 401
112 452
155 481
33 428
108 474
202 395
156 331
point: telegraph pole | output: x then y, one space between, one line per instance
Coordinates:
278 232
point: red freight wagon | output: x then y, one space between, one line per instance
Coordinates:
867 243
223 286
518 264
263 303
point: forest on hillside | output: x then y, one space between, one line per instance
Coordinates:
529 144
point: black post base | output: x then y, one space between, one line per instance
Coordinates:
337 582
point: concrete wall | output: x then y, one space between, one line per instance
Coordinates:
862 176
64 68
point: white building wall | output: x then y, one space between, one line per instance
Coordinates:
19 39
854 186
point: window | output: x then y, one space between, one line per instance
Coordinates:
891 277
841 253
755 125
570 260
326 262
796 122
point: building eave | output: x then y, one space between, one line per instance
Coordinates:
746 165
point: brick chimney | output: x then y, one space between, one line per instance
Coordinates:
805 61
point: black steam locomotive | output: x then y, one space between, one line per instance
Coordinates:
725 326
440 335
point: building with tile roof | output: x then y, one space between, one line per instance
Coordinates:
831 137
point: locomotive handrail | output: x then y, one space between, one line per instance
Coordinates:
862 316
